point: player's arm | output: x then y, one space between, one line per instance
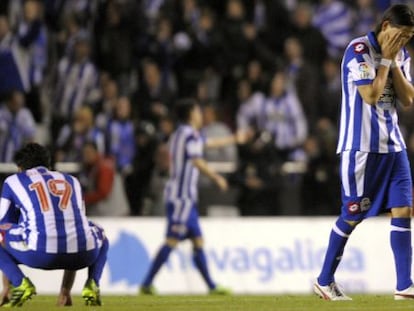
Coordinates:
217 142
5 202
203 167
371 93
403 88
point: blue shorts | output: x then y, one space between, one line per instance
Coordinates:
183 222
17 249
373 183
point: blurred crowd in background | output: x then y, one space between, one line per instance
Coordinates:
96 80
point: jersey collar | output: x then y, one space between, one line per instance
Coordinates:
374 42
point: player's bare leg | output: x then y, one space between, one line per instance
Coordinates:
5 294
64 298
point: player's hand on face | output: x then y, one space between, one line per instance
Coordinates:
393 43
221 182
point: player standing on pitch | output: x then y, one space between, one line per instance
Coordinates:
186 149
375 172
52 231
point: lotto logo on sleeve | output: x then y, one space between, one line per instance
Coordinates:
360 48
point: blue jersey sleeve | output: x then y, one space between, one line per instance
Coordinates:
194 147
360 64
8 212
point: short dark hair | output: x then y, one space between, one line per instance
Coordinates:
183 108
397 15
32 155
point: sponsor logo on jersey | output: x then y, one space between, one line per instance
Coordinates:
353 208
360 48
359 207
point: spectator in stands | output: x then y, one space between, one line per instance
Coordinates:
283 118
320 192
365 14
212 129
155 95
257 76
250 104
190 14
166 127
115 31
77 83
330 90
138 182
31 25
106 106
120 137
281 130
303 77
160 47
103 188
204 54
234 41
73 136
312 40
17 125
334 19
67 37
155 205
15 55
276 23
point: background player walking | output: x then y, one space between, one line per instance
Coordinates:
186 149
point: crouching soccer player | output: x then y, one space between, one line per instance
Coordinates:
186 149
52 231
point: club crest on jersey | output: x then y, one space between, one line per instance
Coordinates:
359 207
360 48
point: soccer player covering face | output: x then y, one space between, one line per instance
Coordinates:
186 151
43 226
375 173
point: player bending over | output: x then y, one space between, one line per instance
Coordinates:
375 172
52 231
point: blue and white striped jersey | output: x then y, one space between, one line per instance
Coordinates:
364 127
120 142
282 117
16 129
52 216
77 86
185 144
285 120
334 20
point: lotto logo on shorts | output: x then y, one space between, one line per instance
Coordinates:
359 207
353 208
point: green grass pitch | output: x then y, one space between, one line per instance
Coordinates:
229 303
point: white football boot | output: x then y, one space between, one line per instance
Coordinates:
330 292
